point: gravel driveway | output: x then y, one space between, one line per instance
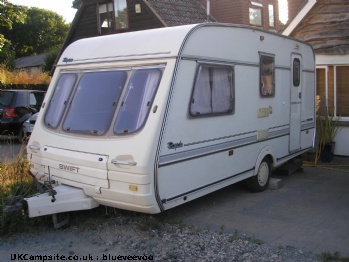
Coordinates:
124 236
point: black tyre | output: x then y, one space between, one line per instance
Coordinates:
260 181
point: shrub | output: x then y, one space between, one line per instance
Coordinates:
21 77
14 181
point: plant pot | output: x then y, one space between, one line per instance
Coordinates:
326 154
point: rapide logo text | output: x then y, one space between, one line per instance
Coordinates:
73 169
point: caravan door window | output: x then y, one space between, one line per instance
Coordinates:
213 91
137 100
59 100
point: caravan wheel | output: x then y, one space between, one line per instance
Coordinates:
260 181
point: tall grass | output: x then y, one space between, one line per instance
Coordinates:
14 181
21 77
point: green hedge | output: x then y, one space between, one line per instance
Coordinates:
42 87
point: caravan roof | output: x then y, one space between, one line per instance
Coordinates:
169 42
154 43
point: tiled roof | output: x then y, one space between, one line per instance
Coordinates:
30 61
179 12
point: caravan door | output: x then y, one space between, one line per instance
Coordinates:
295 100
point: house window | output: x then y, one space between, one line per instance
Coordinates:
255 16
113 15
255 13
213 91
267 75
106 20
332 90
342 90
271 16
321 87
121 17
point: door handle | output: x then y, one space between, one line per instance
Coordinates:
300 95
34 148
123 162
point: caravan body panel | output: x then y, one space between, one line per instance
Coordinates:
126 120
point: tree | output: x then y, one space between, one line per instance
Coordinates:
41 31
9 14
50 59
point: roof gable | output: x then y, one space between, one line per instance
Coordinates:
31 61
179 12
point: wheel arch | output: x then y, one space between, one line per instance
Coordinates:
266 152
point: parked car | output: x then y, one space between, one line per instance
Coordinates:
17 106
28 125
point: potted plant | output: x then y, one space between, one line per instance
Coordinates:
327 128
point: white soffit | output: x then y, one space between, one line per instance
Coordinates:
299 17
332 60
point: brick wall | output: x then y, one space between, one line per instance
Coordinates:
294 6
237 12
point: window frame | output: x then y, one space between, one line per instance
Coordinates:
78 94
266 72
60 115
296 78
112 21
232 90
271 15
255 8
125 95
330 94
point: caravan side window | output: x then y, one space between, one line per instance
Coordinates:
213 91
267 75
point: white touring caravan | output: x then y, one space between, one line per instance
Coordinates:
149 120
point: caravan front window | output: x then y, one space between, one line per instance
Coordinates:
59 100
213 91
137 100
94 103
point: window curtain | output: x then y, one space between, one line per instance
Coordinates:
201 103
221 90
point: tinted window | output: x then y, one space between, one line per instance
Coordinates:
6 98
59 99
36 99
94 102
137 101
213 91
296 72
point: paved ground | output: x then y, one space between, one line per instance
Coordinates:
310 212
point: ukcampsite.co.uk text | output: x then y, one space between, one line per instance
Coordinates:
89 257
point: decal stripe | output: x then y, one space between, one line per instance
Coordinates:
206 186
189 154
